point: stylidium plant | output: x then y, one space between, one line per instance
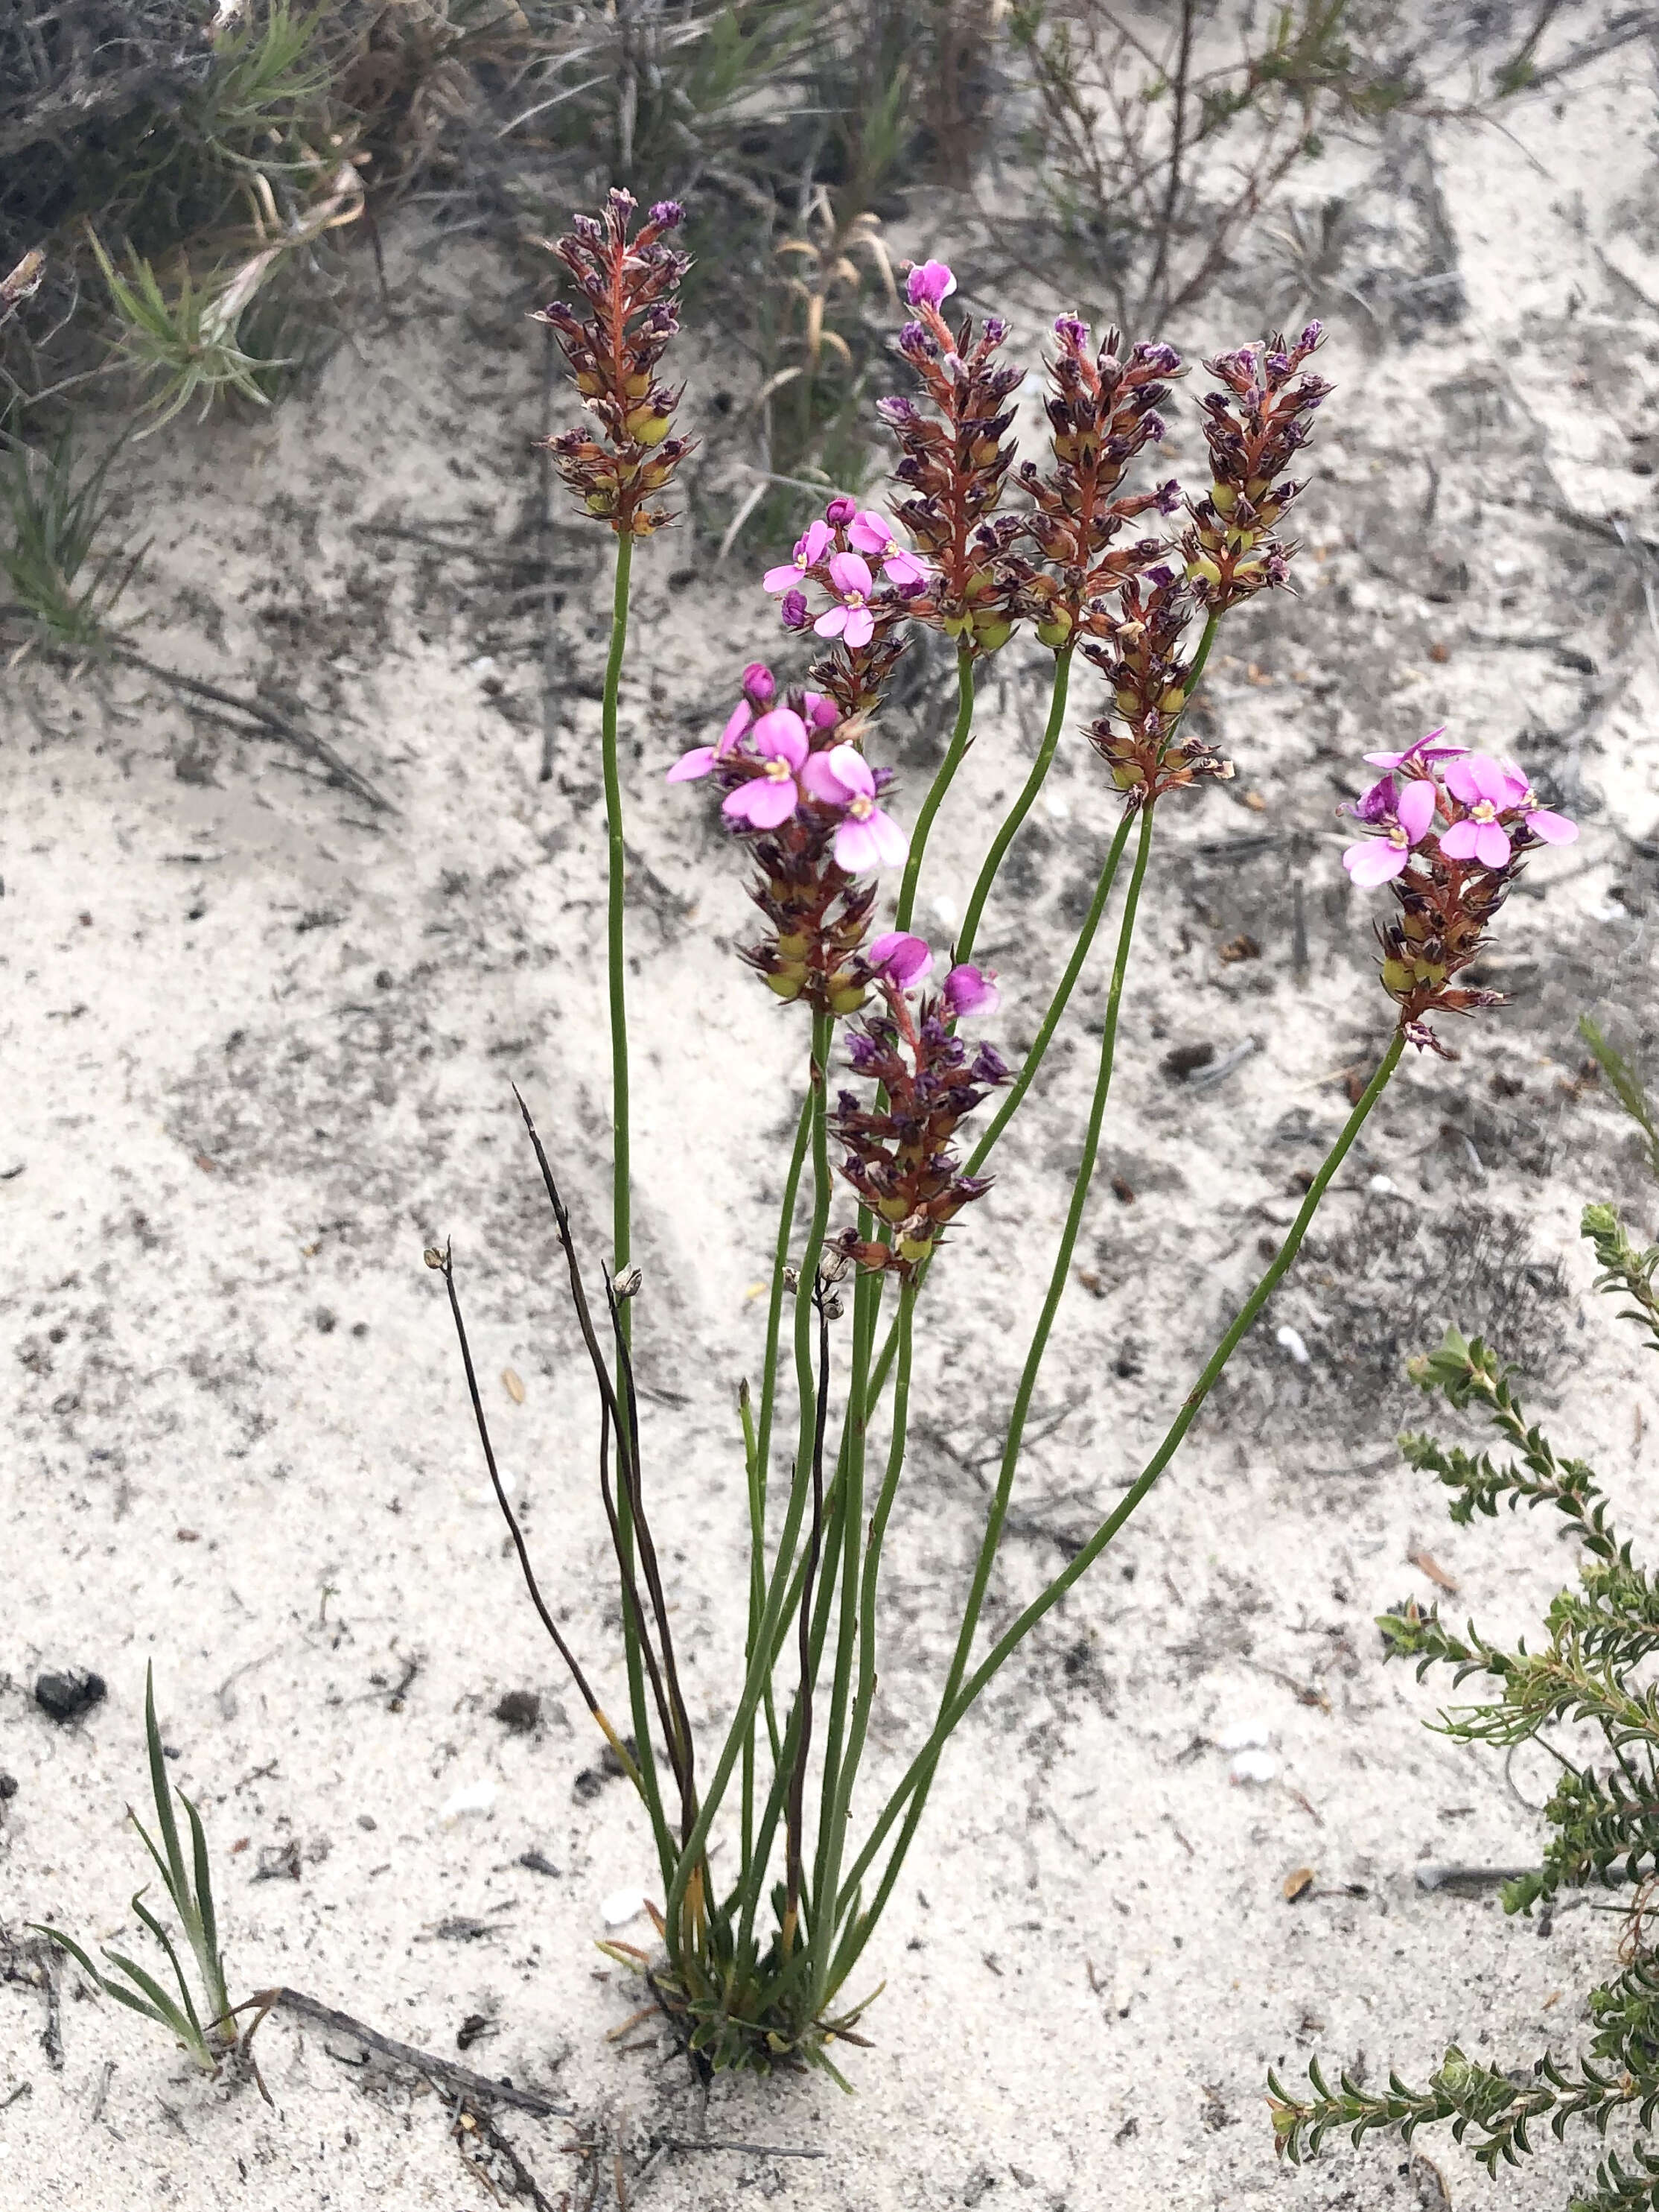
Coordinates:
904 1096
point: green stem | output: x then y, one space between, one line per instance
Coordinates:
829 1880
954 754
1058 1275
760 1453
920 1772
866 1307
761 1659
617 951
1021 807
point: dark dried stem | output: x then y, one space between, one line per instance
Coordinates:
803 1747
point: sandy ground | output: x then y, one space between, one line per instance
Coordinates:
256 1049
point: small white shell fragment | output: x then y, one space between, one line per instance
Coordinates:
1379 1187
1291 1340
945 910
1056 805
1253 1766
622 1907
484 665
1245 1735
471 1797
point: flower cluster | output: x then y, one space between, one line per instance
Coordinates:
841 555
1451 828
1141 660
900 1158
955 466
613 349
1254 430
792 771
1102 411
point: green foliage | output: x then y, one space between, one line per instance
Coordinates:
1603 1821
57 512
205 2028
1622 1082
183 346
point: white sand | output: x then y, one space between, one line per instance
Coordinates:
256 1052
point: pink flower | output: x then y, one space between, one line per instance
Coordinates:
903 958
771 796
850 619
873 534
971 990
1550 829
1375 860
866 837
1487 789
811 548
822 713
840 510
760 687
927 286
1419 756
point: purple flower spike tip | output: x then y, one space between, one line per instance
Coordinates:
758 685
668 215
901 958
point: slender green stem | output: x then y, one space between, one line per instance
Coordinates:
840 1811
1021 807
761 1659
617 951
1058 1275
866 1306
920 1770
759 1451
961 737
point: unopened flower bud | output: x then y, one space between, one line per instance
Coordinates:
841 510
627 1285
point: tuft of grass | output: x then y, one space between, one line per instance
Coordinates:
57 513
1626 1088
198 2016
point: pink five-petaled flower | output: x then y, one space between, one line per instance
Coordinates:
1487 789
865 838
770 797
927 285
810 547
873 534
1550 829
850 619
760 687
1375 860
1418 757
971 990
903 959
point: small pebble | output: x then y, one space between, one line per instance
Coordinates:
7 1787
1292 1341
1245 1735
1379 1187
66 1697
1253 1766
519 1709
471 1797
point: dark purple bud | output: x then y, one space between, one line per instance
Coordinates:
996 330
795 609
841 510
1162 360
1278 364
760 686
621 202
900 413
1156 428
1168 497
913 338
1161 577
588 228
1072 331
1312 334
667 214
